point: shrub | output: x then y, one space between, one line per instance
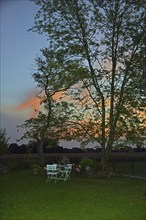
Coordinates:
3 141
86 163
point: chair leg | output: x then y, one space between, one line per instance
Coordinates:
48 178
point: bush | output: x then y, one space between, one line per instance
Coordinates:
86 163
3 141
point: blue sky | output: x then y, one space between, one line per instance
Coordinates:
18 49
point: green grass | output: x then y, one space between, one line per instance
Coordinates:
27 197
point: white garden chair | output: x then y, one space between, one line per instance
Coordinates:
65 172
68 169
52 172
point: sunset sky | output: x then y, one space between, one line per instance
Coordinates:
18 51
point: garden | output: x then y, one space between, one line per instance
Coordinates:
27 196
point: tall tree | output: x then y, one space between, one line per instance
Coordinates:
108 39
51 81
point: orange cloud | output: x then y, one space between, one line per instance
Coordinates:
58 95
32 103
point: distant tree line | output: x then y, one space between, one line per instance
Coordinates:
32 148
51 146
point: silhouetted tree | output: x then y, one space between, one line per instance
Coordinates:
106 43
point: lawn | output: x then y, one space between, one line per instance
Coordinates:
27 197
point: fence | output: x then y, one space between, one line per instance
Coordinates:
133 163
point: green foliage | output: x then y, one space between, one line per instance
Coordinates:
107 40
86 162
3 141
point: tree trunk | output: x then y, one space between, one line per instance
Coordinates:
105 157
105 169
41 153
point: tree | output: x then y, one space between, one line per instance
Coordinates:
51 80
3 141
108 41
